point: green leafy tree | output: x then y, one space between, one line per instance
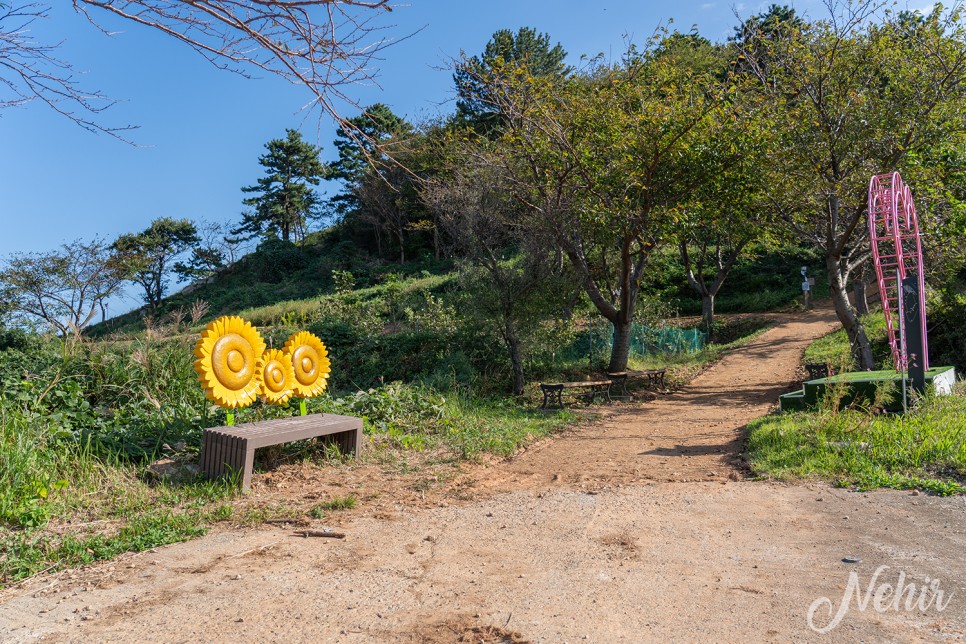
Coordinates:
778 22
150 256
64 288
731 209
602 160
284 198
526 48
755 39
486 226
853 96
216 249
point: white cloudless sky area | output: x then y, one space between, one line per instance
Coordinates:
201 130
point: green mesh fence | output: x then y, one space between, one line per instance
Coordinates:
598 339
649 340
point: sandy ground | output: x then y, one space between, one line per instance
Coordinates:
640 526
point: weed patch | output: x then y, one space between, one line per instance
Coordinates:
922 449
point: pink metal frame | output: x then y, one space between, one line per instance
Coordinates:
897 253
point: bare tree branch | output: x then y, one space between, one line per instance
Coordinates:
323 45
29 71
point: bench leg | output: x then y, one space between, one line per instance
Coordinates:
247 463
625 394
603 391
552 397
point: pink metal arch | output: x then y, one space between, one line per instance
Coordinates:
897 253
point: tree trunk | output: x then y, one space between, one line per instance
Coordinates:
516 355
707 310
378 241
622 346
861 349
858 291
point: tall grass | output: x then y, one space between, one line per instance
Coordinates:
924 448
834 348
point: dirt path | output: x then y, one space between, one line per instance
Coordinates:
630 529
691 435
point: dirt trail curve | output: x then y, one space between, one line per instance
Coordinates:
691 435
626 530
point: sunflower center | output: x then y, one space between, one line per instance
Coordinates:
236 361
304 361
233 361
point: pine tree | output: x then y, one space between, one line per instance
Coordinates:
526 48
284 198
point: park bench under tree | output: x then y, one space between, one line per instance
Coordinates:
553 392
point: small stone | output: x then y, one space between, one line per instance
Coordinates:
852 559
236 577
819 499
915 493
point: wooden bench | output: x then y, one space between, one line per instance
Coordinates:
232 449
553 392
651 376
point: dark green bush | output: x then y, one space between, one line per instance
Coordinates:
947 331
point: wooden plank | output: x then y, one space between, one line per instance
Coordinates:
594 383
294 434
216 455
233 461
206 452
314 421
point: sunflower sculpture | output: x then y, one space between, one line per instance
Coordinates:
276 375
227 358
310 362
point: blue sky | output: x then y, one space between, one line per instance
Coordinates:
202 129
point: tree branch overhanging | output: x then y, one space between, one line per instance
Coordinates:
323 45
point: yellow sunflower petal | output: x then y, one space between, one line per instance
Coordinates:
227 355
275 376
310 363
